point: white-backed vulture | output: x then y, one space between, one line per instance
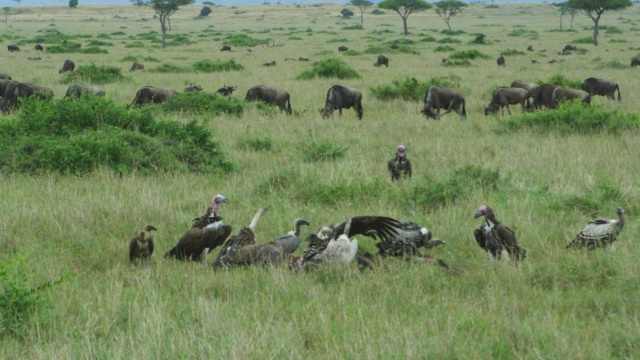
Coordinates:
599 232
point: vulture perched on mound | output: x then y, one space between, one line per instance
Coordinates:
240 249
206 233
141 245
495 237
400 165
599 232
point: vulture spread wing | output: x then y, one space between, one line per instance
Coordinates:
599 233
196 240
382 226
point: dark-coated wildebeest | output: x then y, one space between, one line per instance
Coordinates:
505 96
4 77
78 90
150 94
226 90
12 48
342 48
136 66
530 48
225 48
67 66
340 97
271 96
601 87
635 62
271 63
532 89
569 48
561 94
544 98
500 61
193 88
39 47
17 90
438 98
303 59
3 85
382 60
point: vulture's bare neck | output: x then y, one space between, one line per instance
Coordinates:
256 217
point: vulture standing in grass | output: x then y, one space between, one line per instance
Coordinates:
400 165
141 245
599 232
412 237
291 241
206 233
495 237
239 250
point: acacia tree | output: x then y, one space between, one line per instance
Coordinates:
73 4
346 13
595 8
448 8
6 10
362 5
404 8
164 9
564 9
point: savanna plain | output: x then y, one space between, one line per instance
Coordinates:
70 230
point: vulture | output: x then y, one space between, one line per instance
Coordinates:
599 232
400 165
411 237
141 245
206 233
241 249
495 237
291 241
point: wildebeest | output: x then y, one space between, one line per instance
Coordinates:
532 89
39 47
193 88
271 96
136 66
569 48
438 98
12 48
505 96
561 94
271 63
226 90
150 94
340 97
601 87
78 90
3 85
4 77
635 61
500 61
34 58
225 48
15 90
544 98
382 60
303 59
67 66
342 48
530 48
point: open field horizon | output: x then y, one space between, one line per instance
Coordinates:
556 304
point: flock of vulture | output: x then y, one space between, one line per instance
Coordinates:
334 243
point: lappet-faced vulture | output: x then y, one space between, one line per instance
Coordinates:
494 237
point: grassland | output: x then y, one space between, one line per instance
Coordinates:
557 304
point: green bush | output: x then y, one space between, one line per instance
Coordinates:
600 197
574 118
353 27
118 33
79 136
613 64
94 74
411 89
99 43
377 12
452 32
453 63
256 143
135 44
428 39
561 80
338 191
208 66
69 47
341 40
243 40
204 103
322 151
468 55
523 32
104 36
130 58
443 48
169 68
351 53
448 40
584 40
611 30
512 52
329 68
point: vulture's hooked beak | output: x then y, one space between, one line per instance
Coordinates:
479 213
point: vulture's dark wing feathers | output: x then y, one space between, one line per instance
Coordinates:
479 235
384 227
315 245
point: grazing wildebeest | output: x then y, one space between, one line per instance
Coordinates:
530 48
271 63
225 48
271 96
15 90
569 48
136 66
382 60
193 88
561 94
67 66
635 61
226 90
4 77
503 97
544 97
500 61
150 94
438 98
39 47
303 59
12 48
340 97
78 90
601 87
532 89
342 48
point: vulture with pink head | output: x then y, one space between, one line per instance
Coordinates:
494 237
400 166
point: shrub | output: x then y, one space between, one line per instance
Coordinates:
480 39
204 103
78 136
256 143
208 66
135 44
559 79
411 89
341 40
94 74
351 53
511 52
99 43
243 40
118 33
600 197
329 68
584 40
448 40
428 39
523 32
444 48
338 191
169 68
574 118
613 64
353 27
452 63
321 151
468 55
377 12
452 32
